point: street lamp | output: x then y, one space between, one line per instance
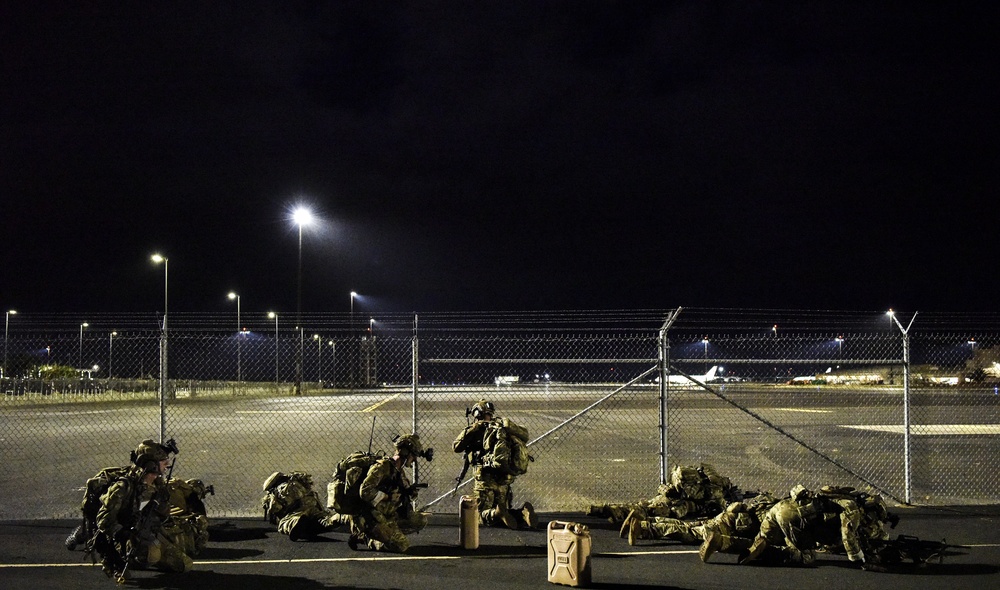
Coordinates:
705 342
301 216
6 328
111 339
239 338
890 315
80 363
157 259
350 330
774 330
274 315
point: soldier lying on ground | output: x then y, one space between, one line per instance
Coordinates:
291 503
693 492
735 526
835 519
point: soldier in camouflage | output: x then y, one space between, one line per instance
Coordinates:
692 492
492 487
385 514
291 503
129 536
794 528
732 529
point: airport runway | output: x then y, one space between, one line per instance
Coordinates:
754 434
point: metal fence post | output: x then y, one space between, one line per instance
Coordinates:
663 360
907 443
415 378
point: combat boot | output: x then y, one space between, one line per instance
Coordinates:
504 516
713 542
755 551
528 515
638 529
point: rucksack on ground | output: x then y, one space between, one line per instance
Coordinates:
505 447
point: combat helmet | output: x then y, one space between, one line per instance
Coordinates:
409 444
274 480
483 408
148 454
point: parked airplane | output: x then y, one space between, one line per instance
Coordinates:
676 379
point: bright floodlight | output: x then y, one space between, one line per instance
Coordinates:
271 314
890 313
302 216
232 295
12 312
157 258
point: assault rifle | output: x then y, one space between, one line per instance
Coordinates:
914 549
142 533
470 458
407 496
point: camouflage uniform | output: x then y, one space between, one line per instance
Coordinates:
187 526
796 526
386 513
294 506
118 520
730 531
692 492
492 485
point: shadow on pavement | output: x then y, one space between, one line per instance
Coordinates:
218 553
208 580
484 551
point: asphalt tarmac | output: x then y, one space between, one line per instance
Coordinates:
248 554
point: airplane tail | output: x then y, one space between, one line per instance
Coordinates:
711 373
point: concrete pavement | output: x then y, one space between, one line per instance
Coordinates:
248 554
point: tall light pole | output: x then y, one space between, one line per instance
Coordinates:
301 216
370 353
111 339
274 315
157 258
239 338
350 331
80 359
705 342
6 329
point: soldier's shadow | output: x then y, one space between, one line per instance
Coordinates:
227 532
215 553
209 580
484 551
928 569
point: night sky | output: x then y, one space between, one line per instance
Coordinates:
500 155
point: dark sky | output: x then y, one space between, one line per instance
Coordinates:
500 155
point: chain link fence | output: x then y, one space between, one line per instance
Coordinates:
903 404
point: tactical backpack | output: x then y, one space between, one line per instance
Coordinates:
505 447
275 504
95 488
344 492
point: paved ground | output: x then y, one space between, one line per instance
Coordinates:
246 554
